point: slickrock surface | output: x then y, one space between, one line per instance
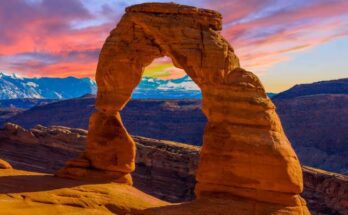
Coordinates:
245 152
23 192
163 169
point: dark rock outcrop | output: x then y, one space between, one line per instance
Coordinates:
71 113
24 103
7 113
325 192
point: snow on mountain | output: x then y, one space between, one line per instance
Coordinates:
13 87
182 88
152 88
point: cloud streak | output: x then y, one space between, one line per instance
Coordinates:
60 38
266 39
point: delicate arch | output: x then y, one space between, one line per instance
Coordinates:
245 151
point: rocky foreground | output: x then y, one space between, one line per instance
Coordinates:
24 192
164 169
34 193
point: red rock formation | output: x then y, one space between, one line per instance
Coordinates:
32 193
5 165
245 151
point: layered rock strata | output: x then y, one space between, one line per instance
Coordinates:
245 152
326 192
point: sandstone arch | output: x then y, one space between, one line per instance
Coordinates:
245 151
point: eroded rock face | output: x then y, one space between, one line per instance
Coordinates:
245 152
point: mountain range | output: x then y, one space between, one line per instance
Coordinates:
16 87
339 86
153 88
13 87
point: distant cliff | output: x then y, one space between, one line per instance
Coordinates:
317 127
177 120
339 86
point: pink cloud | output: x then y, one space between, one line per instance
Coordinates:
40 38
262 42
46 30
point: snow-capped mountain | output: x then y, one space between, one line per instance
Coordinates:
16 87
13 87
152 88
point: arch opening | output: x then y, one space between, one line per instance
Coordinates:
170 105
162 80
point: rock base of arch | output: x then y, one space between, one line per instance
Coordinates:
81 169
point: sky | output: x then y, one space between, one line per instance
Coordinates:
283 42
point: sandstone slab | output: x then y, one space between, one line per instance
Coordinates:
23 192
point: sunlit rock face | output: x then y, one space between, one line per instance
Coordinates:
245 152
4 165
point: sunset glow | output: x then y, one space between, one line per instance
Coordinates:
64 38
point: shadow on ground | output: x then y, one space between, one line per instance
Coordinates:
36 182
